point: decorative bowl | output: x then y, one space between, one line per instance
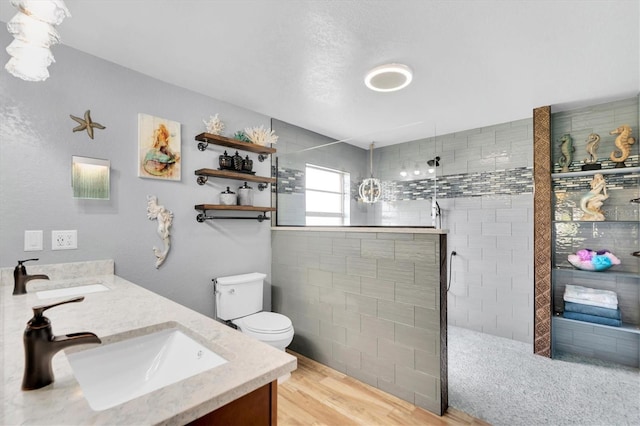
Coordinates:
592 260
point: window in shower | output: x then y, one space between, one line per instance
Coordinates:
326 196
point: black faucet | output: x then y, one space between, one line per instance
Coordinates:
40 345
20 277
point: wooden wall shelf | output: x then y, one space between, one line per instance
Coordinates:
230 174
204 207
201 217
206 138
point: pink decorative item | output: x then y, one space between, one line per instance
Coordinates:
591 260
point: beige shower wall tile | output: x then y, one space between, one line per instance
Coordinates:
362 304
346 247
380 368
347 283
395 352
416 251
427 318
417 381
320 278
427 275
418 338
396 312
428 362
346 319
379 289
378 249
377 327
362 267
416 295
398 271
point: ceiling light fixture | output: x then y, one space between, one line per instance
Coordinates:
33 30
388 78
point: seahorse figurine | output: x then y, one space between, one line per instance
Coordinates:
591 163
623 143
567 149
593 142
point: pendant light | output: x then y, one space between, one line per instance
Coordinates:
370 188
33 29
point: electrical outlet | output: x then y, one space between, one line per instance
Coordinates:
64 240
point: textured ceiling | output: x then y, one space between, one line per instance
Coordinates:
475 63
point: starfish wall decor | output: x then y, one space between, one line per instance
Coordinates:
86 124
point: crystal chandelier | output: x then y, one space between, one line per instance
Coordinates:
33 29
370 188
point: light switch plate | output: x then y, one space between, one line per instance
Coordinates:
64 240
33 240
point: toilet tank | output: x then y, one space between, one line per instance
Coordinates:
239 295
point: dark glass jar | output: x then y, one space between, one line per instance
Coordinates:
247 164
237 161
225 161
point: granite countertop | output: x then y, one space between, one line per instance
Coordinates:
124 311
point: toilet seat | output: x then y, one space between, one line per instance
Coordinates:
268 327
267 323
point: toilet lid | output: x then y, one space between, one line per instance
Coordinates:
267 322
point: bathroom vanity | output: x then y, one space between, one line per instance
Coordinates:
242 390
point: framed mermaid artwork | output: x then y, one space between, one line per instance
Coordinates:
159 145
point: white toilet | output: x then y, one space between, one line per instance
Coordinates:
239 300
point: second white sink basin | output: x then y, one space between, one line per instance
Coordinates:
112 374
71 291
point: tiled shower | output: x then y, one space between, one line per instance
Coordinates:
485 191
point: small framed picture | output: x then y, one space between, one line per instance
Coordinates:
159 145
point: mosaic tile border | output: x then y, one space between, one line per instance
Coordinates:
631 161
505 182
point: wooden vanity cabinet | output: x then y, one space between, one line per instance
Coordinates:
257 408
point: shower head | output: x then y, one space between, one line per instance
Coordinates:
434 163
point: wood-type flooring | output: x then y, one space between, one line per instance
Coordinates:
318 395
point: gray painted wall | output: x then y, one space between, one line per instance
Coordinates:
36 145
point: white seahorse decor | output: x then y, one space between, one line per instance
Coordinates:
165 219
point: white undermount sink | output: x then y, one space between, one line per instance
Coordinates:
118 372
78 290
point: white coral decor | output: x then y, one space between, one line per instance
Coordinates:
260 135
215 126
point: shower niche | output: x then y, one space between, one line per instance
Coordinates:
564 227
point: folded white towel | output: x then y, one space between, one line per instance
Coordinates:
590 303
591 296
